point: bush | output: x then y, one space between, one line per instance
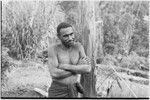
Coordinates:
109 59
5 61
133 61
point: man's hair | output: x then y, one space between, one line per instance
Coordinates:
62 25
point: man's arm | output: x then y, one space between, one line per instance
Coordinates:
53 64
84 68
79 69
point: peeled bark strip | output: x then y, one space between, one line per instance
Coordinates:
110 84
128 71
138 89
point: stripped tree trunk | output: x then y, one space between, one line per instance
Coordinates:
100 52
88 33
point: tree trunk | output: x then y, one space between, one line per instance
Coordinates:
100 52
88 34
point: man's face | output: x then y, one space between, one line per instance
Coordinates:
67 36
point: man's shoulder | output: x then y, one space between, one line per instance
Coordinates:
55 46
78 45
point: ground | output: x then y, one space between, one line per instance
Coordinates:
24 78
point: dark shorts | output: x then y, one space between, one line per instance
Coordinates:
60 90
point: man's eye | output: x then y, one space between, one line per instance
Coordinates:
71 34
65 36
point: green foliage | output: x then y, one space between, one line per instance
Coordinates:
124 27
28 27
140 37
5 63
72 15
133 61
109 59
4 66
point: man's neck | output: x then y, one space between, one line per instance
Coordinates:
66 47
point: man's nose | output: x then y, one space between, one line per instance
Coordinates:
70 37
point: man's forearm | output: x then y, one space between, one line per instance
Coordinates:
76 68
61 74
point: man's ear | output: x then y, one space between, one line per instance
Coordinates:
58 35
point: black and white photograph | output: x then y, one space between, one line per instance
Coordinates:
74 49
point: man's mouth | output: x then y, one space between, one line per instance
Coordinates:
70 42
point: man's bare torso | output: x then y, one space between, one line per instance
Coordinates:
68 56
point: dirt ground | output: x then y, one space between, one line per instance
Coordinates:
21 81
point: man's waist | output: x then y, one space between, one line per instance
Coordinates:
59 82
77 85
69 80
64 82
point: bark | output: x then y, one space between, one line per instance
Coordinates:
88 34
100 52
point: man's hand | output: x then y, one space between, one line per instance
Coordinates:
84 60
65 68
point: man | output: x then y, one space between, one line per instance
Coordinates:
66 61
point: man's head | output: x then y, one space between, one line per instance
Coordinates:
66 34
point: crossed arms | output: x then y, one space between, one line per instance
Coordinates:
61 71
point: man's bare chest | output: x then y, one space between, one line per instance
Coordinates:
68 57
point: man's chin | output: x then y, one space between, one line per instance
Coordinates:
69 44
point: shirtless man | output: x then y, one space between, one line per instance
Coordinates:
63 63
